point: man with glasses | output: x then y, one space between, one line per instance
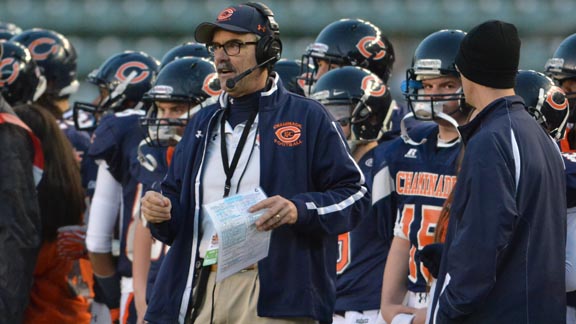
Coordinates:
287 145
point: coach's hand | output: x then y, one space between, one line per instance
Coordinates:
155 207
280 211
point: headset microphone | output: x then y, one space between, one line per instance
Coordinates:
231 83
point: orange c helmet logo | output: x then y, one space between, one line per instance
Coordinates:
288 134
372 47
225 14
5 65
550 99
373 86
125 69
209 85
40 52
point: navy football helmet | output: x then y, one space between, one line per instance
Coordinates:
544 100
8 30
189 49
56 57
562 65
352 42
434 57
188 80
124 78
21 81
290 73
362 97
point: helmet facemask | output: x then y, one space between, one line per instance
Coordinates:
164 132
310 65
430 107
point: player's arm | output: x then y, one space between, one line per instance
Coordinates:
394 284
390 229
103 218
141 266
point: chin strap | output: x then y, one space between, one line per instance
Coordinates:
146 160
404 131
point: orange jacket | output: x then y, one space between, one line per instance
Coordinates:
51 299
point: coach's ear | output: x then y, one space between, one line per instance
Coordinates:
431 256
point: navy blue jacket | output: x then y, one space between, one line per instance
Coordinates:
503 259
303 158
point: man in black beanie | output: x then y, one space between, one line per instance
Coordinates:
504 254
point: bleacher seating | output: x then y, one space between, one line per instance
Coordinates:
100 28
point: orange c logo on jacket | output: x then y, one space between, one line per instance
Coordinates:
288 134
125 69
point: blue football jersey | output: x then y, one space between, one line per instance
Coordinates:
81 142
411 184
362 256
157 160
116 141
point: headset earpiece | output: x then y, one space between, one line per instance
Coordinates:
268 46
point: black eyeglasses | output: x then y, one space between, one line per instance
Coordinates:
231 48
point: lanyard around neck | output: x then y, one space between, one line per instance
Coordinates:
230 168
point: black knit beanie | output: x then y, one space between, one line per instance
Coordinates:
489 54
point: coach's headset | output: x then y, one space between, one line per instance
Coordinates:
269 47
